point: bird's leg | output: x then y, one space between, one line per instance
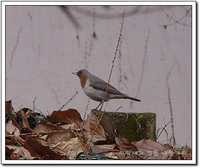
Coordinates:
94 110
99 105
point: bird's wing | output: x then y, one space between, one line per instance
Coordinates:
98 83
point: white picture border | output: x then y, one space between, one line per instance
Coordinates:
117 162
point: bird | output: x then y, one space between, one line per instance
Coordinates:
95 88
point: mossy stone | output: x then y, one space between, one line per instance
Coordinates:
132 126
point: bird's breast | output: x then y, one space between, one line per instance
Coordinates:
93 93
83 80
88 89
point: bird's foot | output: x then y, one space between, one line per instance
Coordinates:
95 110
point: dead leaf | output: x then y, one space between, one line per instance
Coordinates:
24 119
125 145
11 129
104 145
18 150
105 142
90 125
10 141
70 126
70 147
8 153
9 108
186 152
144 145
54 138
149 149
112 155
29 148
104 148
66 143
46 128
43 150
168 146
69 116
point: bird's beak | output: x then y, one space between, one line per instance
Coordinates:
75 73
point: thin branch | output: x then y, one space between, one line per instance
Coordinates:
66 10
143 62
15 47
139 10
69 100
170 106
118 108
113 61
34 104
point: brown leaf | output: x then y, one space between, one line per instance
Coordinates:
183 153
112 155
8 152
71 147
11 129
28 147
104 145
18 150
54 138
46 128
10 141
43 150
104 148
168 146
24 119
9 108
69 116
149 149
90 125
144 145
187 152
65 142
70 126
125 145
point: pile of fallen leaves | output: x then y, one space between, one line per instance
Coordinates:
64 135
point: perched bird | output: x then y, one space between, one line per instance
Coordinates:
95 88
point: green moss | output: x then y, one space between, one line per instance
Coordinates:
132 126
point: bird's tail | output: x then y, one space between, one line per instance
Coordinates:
127 97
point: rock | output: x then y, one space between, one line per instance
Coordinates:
132 126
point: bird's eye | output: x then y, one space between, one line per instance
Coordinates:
80 72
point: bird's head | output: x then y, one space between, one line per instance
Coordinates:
83 75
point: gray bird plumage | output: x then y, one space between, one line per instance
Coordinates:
99 84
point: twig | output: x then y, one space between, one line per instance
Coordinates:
55 93
66 10
93 24
15 47
39 110
69 100
41 133
86 108
143 63
138 10
34 104
113 61
118 108
81 127
170 106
